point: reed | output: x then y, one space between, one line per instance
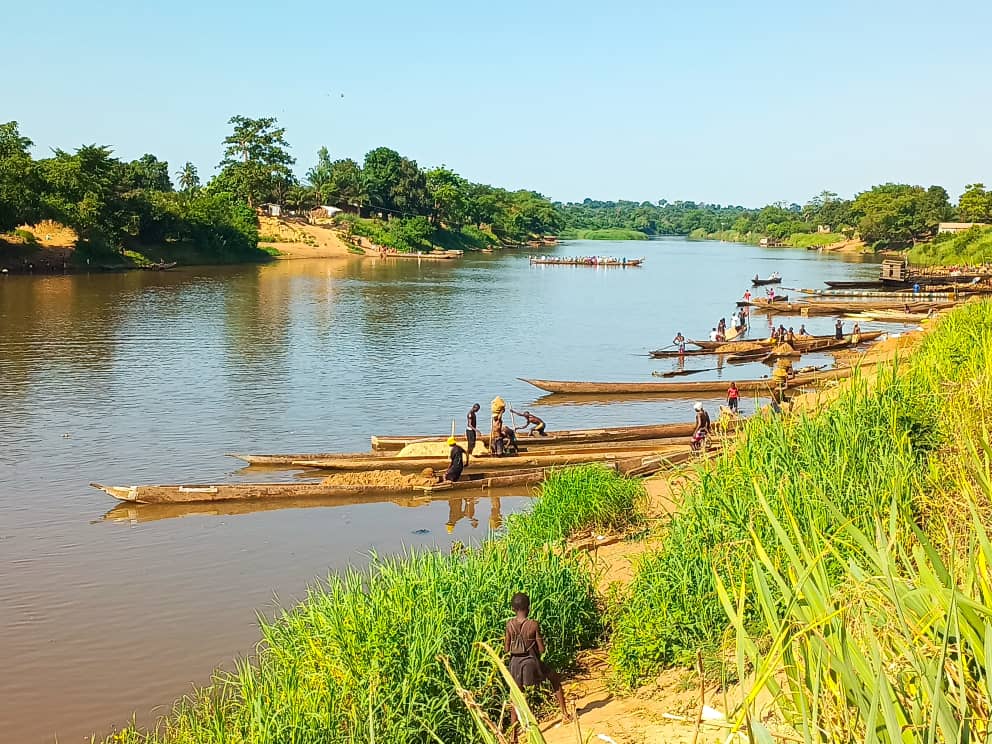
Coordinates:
359 659
880 443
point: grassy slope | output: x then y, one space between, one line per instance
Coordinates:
617 233
971 247
871 448
360 653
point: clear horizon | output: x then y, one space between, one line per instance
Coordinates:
718 103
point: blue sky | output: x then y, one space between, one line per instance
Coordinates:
730 102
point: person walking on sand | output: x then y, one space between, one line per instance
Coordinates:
522 640
702 428
472 432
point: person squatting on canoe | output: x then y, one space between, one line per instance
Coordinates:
522 640
531 420
702 429
510 441
458 461
472 427
733 397
714 334
679 342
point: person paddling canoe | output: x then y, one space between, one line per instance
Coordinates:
531 420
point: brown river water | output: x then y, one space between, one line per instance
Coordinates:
147 377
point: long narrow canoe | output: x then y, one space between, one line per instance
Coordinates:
564 436
820 345
295 492
839 308
529 460
802 342
765 282
764 385
388 459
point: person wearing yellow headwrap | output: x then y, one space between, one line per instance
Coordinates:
458 461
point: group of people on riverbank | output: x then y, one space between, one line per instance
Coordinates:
502 438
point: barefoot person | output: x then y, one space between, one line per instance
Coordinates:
522 640
702 428
733 397
530 420
458 461
472 427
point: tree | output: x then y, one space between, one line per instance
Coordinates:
346 183
448 193
148 173
896 215
255 155
975 204
394 183
188 178
19 181
321 175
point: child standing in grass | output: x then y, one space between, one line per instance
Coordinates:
522 640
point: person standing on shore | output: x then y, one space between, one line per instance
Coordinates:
472 427
522 640
733 397
702 428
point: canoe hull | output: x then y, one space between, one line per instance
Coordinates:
573 436
765 385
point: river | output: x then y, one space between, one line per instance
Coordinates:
148 377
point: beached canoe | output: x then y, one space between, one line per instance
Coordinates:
840 308
527 460
764 385
802 343
320 493
553 438
581 262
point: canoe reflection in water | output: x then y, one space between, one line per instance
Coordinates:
458 508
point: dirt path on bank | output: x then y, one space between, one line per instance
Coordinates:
298 239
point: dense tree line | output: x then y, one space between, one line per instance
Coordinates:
111 203
885 216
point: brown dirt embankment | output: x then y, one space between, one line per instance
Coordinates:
49 251
299 239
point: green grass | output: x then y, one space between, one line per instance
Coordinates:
896 645
850 461
357 660
971 247
609 233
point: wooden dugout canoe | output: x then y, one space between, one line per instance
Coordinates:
840 308
764 385
388 460
766 282
564 436
802 342
819 345
527 460
295 493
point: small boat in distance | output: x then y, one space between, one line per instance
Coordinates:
586 261
774 278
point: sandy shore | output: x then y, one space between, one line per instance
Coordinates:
301 240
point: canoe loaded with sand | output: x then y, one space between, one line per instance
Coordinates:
373 485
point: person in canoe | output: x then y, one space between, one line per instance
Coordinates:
679 342
538 426
510 442
802 330
721 327
702 429
733 397
839 330
856 334
522 640
496 444
472 432
458 461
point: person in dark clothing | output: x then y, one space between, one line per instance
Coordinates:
839 330
472 428
522 640
531 420
458 461
510 441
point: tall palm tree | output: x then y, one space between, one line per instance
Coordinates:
188 178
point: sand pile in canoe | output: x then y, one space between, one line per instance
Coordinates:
784 349
438 449
383 478
739 347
